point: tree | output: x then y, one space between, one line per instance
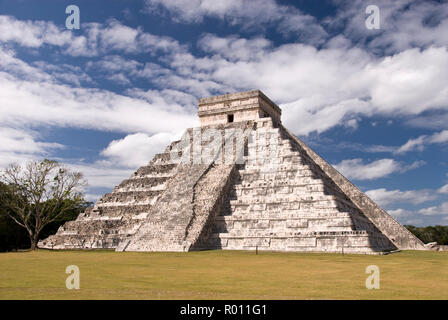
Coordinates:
39 193
12 236
428 234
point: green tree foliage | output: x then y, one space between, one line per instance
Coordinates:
39 194
428 234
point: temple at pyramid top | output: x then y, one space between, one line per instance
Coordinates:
236 107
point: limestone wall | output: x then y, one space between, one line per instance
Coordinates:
249 105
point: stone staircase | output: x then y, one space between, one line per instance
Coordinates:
281 200
117 215
179 220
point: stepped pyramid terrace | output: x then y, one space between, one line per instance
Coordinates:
240 181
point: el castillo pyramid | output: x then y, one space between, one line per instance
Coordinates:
240 181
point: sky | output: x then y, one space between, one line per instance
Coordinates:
105 98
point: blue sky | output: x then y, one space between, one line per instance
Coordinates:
105 98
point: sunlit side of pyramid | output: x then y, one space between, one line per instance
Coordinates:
241 181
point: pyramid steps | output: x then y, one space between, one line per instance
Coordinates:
289 200
117 215
177 222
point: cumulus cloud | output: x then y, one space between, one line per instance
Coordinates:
440 137
443 189
421 142
137 149
121 158
45 102
413 144
386 197
357 169
317 88
435 210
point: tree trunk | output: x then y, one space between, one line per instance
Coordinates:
34 239
33 244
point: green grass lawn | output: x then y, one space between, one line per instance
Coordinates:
222 275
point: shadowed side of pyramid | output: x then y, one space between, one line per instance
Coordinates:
240 181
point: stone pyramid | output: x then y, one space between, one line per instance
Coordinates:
240 181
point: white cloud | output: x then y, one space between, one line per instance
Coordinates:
65 73
114 63
95 39
119 78
251 14
352 123
101 175
404 24
412 144
45 102
399 213
317 89
120 37
233 47
20 145
435 210
386 197
169 96
10 64
440 137
21 141
114 36
137 149
32 33
122 157
421 142
30 96
379 148
443 189
356 169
